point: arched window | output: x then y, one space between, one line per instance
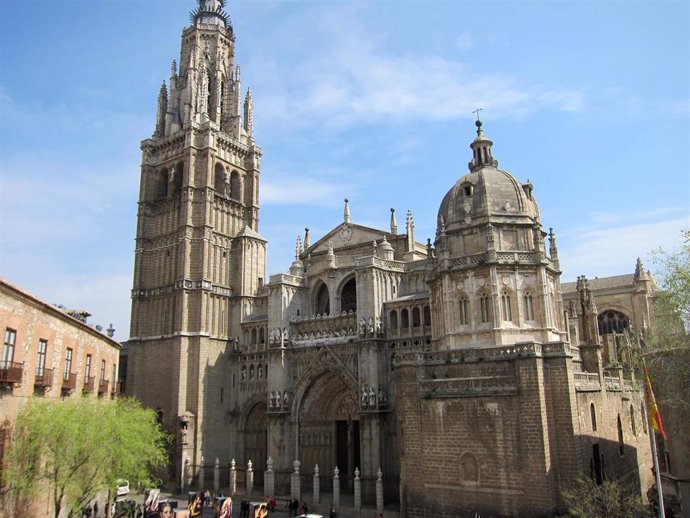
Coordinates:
246 337
621 443
163 183
221 181
485 307
469 469
612 321
593 416
323 303
427 315
644 418
235 186
253 336
416 320
348 296
393 319
529 307
463 311
405 318
632 421
505 306
262 336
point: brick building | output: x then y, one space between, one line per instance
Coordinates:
48 353
454 368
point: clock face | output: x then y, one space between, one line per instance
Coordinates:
346 233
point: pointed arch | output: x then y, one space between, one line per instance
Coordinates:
235 186
393 319
485 307
322 299
348 295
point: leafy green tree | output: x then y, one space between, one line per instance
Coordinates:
79 447
667 348
585 499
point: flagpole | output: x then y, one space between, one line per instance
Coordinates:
655 455
657 475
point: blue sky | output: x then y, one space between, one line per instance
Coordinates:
369 100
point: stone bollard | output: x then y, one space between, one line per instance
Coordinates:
216 475
295 489
358 493
250 479
269 479
336 488
317 488
379 493
201 474
233 478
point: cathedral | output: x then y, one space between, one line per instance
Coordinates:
458 375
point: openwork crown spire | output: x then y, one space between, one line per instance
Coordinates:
210 12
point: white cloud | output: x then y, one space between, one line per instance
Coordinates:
351 78
464 41
612 249
301 191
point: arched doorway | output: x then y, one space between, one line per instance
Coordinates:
255 441
329 430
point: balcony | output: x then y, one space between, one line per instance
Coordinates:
69 381
89 383
44 378
11 372
103 387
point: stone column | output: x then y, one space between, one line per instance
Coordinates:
317 489
183 478
269 479
379 493
336 488
233 478
358 493
295 490
216 475
250 479
201 473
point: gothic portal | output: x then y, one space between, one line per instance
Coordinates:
451 374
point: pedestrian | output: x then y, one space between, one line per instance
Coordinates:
95 509
304 509
195 509
333 514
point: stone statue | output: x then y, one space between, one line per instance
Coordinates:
364 396
270 400
243 373
286 400
372 398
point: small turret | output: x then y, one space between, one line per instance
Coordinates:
162 110
249 113
553 249
481 150
409 228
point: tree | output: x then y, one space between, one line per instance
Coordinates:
585 499
668 343
79 447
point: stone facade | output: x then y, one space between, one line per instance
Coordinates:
50 354
454 368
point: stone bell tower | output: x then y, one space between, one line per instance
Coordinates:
199 260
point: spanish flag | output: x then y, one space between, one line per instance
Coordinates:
654 414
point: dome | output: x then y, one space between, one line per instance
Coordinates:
487 194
